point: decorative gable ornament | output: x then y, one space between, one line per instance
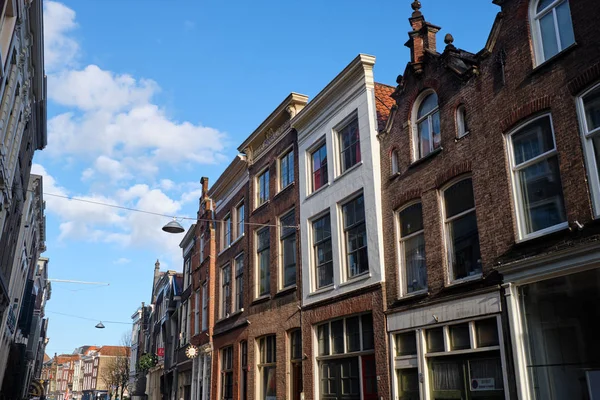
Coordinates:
191 351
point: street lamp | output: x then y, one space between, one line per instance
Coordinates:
173 227
100 325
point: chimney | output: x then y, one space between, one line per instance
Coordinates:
421 38
204 183
156 272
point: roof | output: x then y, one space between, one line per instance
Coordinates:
383 103
113 351
63 358
46 357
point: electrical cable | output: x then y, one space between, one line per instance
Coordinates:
89 319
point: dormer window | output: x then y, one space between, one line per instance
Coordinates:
552 28
426 129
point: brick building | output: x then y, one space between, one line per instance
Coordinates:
489 175
343 324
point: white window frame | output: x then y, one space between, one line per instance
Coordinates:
236 300
340 150
204 306
343 236
257 293
239 222
281 267
515 182
313 254
588 149
416 143
223 312
536 32
227 231
446 222
461 121
310 154
286 153
402 282
202 247
197 312
257 190
394 162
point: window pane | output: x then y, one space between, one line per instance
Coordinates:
459 198
459 337
356 236
240 220
435 126
350 145
427 105
323 334
349 376
320 167
322 249
367 332
447 376
289 261
464 239
548 34
424 138
543 4
596 143
408 383
411 219
337 336
591 104
414 263
532 140
435 340
269 383
565 27
487 332
296 345
541 195
406 344
353 334
487 368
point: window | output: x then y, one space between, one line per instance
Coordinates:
406 344
346 335
286 169
462 236
227 373
263 258
226 231
287 244
427 126
262 194
225 291
536 178
183 313
239 283
319 167
244 366
461 121
204 306
321 232
552 28
349 138
295 337
197 313
355 231
588 107
413 269
202 245
239 219
394 162
267 368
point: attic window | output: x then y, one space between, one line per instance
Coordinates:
394 162
426 128
552 28
461 121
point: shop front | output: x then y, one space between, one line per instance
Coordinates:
449 350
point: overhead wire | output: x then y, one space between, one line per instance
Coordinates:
163 215
89 319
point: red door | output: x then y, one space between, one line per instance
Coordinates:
369 377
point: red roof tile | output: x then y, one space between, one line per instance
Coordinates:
114 351
383 103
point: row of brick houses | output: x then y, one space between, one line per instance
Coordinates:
437 239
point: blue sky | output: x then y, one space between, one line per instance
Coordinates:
145 97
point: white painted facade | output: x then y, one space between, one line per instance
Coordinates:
351 94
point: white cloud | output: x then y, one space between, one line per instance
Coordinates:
60 50
122 260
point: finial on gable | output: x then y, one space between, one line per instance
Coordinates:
449 39
416 6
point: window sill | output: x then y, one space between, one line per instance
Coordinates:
315 192
261 299
552 59
394 176
237 239
357 278
427 157
322 290
233 314
544 232
348 171
467 279
461 136
284 190
263 205
285 290
412 295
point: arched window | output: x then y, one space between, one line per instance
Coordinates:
426 115
394 161
552 28
461 121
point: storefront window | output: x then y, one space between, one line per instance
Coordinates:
561 317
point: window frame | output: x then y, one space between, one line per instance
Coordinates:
402 281
316 148
462 128
260 179
416 142
204 306
292 358
339 132
521 235
346 229
197 300
225 284
314 244
258 253
591 161
239 222
285 157
536 30
202 247
283 236
263 362
227 231
226 365
238 284
449 247
394 162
